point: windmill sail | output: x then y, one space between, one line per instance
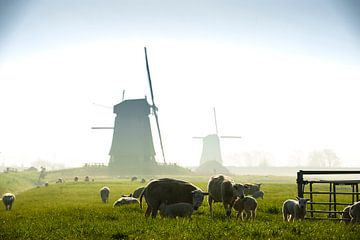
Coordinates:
153 105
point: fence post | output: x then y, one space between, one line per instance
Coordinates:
299 181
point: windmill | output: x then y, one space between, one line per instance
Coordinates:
132 143
211 159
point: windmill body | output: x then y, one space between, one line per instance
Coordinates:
211 149
132 143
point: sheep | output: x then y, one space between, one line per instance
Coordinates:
76 179
104 194
60 180
251 188
125 200
258 194
170 191
138 192
296 209
174 210
133 179
249 204
355 212
223 189
346 218
8 200
87 179
46 184
142 180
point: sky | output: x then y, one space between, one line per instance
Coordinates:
283 75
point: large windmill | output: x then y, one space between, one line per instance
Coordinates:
132 142
211 159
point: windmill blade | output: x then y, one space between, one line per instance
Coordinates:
153 105
230 136
216 127
102 127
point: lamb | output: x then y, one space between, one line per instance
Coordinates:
8 200
249 204
346 218
125 200
296 209
174 210
138 192
104 194
355 212
258 194
223 189
251 188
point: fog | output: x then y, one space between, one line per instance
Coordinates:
282 75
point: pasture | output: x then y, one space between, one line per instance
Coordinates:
75 211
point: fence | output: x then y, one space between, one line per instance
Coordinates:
333 204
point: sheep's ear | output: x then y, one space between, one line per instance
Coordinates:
130 195
205 193
297 198
307 199
246 186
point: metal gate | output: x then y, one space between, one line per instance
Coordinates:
340 193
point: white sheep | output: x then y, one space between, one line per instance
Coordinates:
104 194
355 212
346 215
249 204
295 209
125 200
60 180
174 210
258 194
8 200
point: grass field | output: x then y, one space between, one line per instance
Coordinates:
75 211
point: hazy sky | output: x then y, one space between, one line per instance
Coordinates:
284 75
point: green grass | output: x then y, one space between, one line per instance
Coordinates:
75 211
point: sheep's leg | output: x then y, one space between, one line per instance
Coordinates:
210 205
254 214
285 216
292 218
148 211
227 209
154 212
248 214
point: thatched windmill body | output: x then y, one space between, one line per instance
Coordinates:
132 143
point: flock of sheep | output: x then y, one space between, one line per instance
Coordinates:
176 198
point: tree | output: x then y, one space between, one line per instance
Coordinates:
324 158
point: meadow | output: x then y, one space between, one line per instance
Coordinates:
75 211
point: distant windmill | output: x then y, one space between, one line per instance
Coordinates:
132 142
211 152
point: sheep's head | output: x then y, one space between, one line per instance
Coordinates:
238 190
302 202
198 198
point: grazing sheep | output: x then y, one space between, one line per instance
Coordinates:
142 180
8 200
174 210
223 189
104 194
46 184
125 200
87 179
355 212
296 209
346 218
76 178
249 204
170 191
251 188
133 179
60 180
258 194
138 192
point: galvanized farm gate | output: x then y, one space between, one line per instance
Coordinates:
334 206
